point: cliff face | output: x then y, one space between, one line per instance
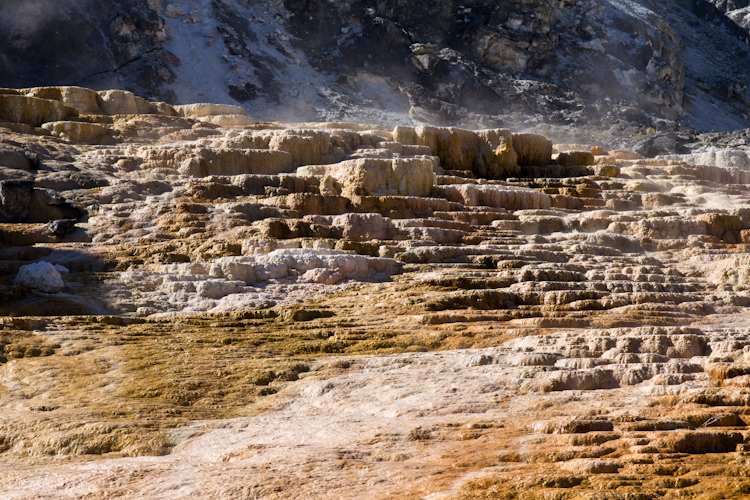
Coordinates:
492 58
590 63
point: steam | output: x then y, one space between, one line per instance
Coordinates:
699 195
22 18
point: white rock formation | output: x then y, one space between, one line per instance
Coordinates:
724 158
40 276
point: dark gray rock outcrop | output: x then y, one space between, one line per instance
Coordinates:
89 42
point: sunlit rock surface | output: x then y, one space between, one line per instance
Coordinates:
339 310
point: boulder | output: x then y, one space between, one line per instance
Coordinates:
30 110
62 227
323 276
15 199
47 205
15 159
40 276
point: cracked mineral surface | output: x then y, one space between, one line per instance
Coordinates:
196 305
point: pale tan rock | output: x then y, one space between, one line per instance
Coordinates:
489 153
723 158
85 101
660 228
78 131
734 271
198 161
511 198
363 227
587 466
204 162
162 108
405 135
30 110
228 120
321 275
242 139
357 127
605 159
307 147
392 146
380 177
199 110
20 128
719 224
573 158
122 102
532 149
562 148
619 154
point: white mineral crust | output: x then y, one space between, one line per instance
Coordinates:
41 276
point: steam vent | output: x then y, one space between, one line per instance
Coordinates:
347 250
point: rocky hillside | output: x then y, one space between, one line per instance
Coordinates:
194 304
579 68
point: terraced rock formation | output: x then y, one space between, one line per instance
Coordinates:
202 306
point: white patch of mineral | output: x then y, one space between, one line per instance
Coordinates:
41 276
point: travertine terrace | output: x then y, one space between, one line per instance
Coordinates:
196 305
